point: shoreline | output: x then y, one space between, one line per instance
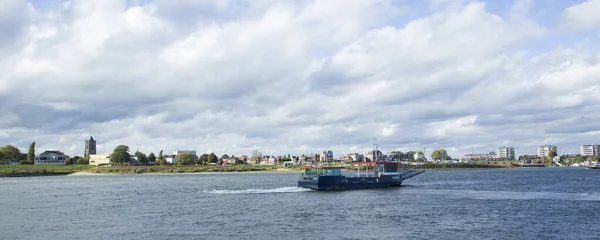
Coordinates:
86 170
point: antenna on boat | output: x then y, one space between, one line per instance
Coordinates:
376 152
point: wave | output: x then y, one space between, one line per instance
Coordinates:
259 191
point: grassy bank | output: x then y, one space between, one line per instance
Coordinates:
40 170
190 169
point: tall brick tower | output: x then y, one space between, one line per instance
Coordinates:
90 146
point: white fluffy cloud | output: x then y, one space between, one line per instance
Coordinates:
582 16
294 76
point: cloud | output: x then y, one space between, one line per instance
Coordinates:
582 16
291 76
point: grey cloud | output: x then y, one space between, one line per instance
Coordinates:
212 79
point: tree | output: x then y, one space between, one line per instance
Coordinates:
551 155
411 155
185 158
212 158
73 160
10 152
81 160
162 162
203 159
31 153
255 156
439 154
120 155
141 157
151 158
160 156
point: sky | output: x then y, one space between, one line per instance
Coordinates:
300 77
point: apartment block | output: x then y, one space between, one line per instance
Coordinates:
506 153
544 149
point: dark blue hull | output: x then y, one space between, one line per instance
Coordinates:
346 183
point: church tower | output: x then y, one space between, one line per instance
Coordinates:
90 146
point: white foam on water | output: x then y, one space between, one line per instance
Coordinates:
259 191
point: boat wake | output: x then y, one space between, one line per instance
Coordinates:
260 191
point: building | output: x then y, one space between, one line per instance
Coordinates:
326 156
530 159
51 158
90 147
374 155
356 157
419 156
99 159
590 150
393 157
479 156
506 153
193 152
170 158
545 149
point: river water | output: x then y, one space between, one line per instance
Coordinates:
548 203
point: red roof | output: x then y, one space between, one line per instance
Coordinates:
378 162
323 167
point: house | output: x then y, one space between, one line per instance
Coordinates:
326 156
355 157
10 161
170 158
51 158
393 157
530 159
374 155
268 160
419 156
99 159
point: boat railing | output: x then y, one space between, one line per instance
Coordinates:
361 174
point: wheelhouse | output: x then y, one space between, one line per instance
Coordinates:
323 171
381 168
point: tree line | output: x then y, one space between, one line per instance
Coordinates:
121 156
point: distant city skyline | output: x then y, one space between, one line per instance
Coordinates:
299 77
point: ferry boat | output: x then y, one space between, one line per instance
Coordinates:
384 174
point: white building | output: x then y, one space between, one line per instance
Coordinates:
51 157
99 159
590 150
506 153
356 157
544 149
193 152
170 158
479 156
418 155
